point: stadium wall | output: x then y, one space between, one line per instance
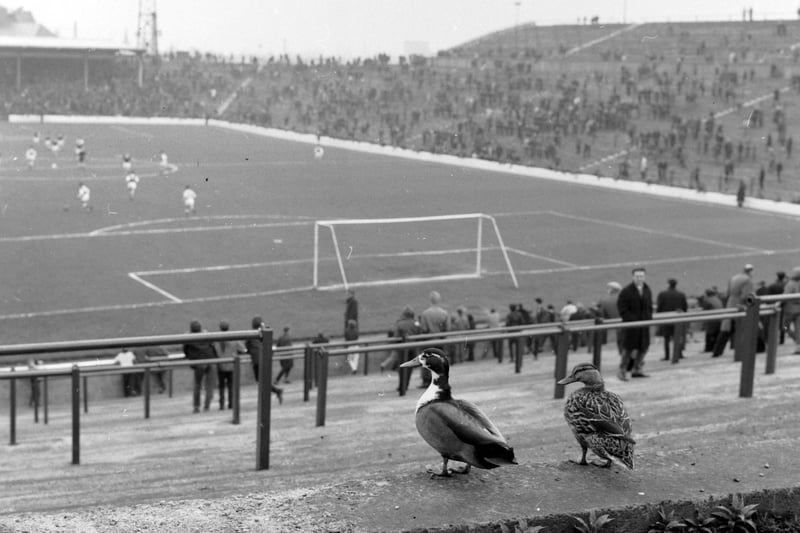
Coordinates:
716 198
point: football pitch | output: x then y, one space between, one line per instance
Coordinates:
142 267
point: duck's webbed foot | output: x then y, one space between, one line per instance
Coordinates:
582 462
464 470
444 473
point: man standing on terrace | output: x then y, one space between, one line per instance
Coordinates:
635 303
667 301
434 319
739 286
203 378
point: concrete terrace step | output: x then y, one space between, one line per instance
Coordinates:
366 467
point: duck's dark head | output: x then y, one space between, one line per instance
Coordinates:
436 361
433 359
586 373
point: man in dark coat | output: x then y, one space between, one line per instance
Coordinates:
253 347
670 300
711 302
203 378
635 303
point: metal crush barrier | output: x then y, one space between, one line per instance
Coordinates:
316 357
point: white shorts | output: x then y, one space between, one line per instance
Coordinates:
132 186
189 203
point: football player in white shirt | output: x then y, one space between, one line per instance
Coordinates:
84 194
164 162
30 157
55 146
132 181
189 197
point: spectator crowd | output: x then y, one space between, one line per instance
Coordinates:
707 106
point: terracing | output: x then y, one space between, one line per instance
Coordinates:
365 469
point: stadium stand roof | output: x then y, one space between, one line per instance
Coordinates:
20 34
57 44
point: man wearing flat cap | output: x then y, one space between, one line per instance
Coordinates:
670 300
739 286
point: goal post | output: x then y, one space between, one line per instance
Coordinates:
431 221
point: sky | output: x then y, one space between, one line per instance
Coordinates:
356 28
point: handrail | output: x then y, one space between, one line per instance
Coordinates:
755 308
264 356
127 342
776 298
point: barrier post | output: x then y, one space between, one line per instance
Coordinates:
307 362
85 394
520 351
597 348
315 370
76 415
746 348
366 361
562 350
264 400
44 399
679 339
738 338
322 386
146 392
35 395
169 373
773 337
237 387
12 410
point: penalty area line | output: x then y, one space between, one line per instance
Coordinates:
153 286
145 305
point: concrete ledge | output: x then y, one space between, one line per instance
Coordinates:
638 519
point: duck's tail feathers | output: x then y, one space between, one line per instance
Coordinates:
497 453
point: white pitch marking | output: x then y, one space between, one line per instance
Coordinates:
29 238
665 261
144 305
140 223
656 232
537 256
219 268
154 287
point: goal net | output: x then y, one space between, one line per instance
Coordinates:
383 251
